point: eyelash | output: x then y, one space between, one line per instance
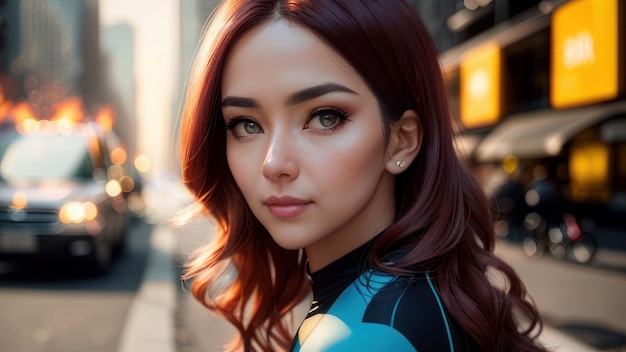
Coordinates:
237 120
341 115
230 126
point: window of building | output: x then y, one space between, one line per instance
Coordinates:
526 73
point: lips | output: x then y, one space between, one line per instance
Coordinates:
286 206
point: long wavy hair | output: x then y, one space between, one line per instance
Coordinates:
244 276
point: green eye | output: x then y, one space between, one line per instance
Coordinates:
241 127
328 119
251 127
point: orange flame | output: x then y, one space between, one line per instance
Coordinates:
5 101
4 105
21 112
106 117
70 111
66 114
4 109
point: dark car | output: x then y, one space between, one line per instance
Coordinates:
60 195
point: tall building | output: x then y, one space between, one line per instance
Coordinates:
9 28
452 22
194 15
118 70
55 43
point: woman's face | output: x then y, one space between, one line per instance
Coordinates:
305 142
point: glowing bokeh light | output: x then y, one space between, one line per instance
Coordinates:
118 156
143 163
113 188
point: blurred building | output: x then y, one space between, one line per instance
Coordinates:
50 51
538 88
54 42
118 70
194 15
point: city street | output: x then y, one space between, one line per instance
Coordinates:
583 301
57 309
44 309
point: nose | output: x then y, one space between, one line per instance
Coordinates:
280 164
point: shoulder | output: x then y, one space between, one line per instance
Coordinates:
412 306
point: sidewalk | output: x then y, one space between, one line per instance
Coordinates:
150 322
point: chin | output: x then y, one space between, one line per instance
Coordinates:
289 242
289 245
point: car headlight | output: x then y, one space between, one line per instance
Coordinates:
77 212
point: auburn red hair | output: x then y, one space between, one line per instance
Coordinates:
251 281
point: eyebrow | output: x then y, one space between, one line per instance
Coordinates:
293 99
315 92
239 102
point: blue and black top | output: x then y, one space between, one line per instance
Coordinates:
356 308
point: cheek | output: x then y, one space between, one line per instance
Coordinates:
240 167
354 161
365 148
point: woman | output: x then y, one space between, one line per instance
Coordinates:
318 135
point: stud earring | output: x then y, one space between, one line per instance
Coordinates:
401 163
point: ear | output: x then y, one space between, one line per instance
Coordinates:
405 142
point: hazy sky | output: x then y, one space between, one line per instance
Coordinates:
156 36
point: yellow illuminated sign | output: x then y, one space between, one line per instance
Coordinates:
589 171
480 86
584 52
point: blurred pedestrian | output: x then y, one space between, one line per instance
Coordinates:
319 136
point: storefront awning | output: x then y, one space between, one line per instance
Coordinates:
465 143
543 133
